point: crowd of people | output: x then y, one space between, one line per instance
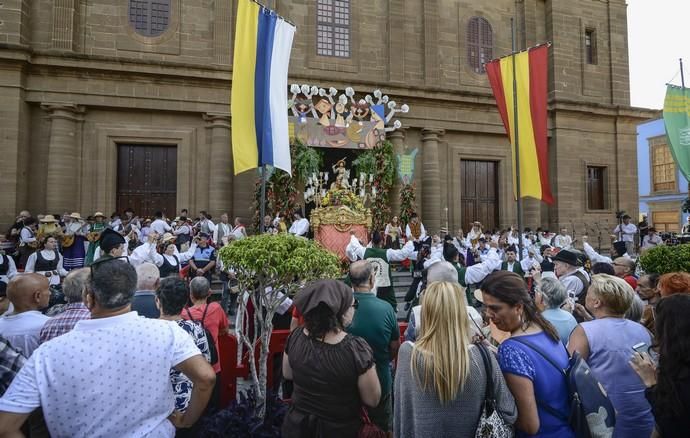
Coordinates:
108 329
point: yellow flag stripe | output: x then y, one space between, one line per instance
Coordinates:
530 182
245 150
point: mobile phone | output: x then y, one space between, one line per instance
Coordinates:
641 348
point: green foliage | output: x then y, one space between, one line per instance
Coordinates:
281 261
664 259
379 161
305 161
281 188
407 202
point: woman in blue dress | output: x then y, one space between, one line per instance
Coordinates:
540 390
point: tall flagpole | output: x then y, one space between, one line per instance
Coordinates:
682 85
262 208
516 140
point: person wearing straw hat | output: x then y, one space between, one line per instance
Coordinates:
49 226
73 249
94 236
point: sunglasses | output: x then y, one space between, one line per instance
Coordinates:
103 260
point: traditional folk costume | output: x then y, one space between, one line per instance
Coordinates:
415 231
73 250
27 245
94 231
47 262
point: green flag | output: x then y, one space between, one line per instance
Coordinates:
676 116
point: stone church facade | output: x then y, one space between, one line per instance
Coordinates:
90 90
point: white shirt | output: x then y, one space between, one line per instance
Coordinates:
572 284
300 227
23 330
491 261
26 236
239 232
355 251
222 230
628 232
108 377
50 256
11 270
160 226
563 242
594 256
651 242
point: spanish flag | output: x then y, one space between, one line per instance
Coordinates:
531 78
258 102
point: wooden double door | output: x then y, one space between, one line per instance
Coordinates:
147 179
479 194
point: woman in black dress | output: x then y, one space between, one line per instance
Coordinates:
333 371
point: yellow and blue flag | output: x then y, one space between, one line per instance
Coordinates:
258 103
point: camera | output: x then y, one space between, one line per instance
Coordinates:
620 214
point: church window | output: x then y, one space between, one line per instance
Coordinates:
149 17
333 28
663 166
479 43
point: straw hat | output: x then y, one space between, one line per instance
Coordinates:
48 219
76 216
168 237
98 213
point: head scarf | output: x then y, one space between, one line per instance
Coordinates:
335 294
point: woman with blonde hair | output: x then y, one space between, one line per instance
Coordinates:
606 344
443 373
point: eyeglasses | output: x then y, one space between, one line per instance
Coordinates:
104 260
355 304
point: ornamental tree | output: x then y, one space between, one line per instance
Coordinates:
269 269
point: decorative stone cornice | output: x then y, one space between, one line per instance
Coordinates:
432 134
68 111
217 119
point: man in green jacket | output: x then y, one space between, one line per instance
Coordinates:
511 263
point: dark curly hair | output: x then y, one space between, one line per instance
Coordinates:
673 342
321 320
510 288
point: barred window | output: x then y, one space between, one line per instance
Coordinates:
333 28
149 17
480 43
590 46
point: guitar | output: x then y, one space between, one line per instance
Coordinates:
67 240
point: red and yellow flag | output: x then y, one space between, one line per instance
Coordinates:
531 79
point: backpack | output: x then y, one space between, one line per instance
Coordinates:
211 345
591 413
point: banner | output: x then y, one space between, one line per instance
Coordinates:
263 42
676 114
531 77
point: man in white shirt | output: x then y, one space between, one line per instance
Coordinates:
116 365
28 293
300 227
415 230
223 229
159 225
652 239
563 240
626 233
568 273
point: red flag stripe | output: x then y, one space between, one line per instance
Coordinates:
538 85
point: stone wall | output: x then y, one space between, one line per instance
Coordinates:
75 79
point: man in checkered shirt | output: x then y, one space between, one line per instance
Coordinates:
73 311
11 361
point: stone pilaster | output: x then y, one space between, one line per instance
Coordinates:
397 138
220 171
431 180
62 179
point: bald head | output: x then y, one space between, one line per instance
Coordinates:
360 274
442 271
28 292
623 266
148 276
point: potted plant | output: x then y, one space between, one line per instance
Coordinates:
270 269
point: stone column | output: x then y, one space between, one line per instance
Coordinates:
431 180
397 138
62 179
220 178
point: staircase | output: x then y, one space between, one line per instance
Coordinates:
401 282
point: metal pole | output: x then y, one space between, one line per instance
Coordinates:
516 140
682 75
262 208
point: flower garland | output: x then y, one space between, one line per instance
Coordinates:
342 197
379 161
281 189
407 202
